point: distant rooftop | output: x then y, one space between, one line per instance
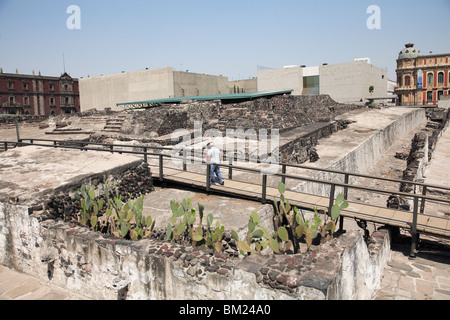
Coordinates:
233 96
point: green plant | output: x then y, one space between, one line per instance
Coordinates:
285 222
122 219
257 238
90 206
291 226
307 229
181 226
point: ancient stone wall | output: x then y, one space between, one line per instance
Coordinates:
21 118
280 112
422 147
102 267
365 155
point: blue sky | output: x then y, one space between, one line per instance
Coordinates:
229 38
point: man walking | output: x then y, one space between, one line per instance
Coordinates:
213 156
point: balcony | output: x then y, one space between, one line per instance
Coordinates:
11 105
406 88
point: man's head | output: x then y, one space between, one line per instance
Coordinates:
210 145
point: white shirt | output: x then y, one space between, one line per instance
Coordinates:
214 155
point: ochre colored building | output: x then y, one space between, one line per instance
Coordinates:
38 95
422 80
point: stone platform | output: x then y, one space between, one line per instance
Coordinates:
29 173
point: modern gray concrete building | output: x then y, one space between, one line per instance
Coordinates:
348 82
106 91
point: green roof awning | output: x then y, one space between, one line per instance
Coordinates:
233 96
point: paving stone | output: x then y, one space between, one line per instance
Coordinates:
37 294
413 274
399 265
444 292
22 289
422 267
53 295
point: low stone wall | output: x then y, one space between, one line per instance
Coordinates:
366 154
279 112
302 149
8 119
101 267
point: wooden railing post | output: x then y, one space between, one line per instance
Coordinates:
230 168
414 234
208 177
341 218
331 202
422 203
264 188
283 171
161 173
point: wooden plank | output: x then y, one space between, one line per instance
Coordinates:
403 218
366 212
422 222
439 223
385 213
447 232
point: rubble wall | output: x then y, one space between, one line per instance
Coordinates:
279 112
101 267
366 154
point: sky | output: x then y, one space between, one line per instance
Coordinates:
230 38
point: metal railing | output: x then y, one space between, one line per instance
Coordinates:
82 145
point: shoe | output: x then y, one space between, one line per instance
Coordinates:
222 182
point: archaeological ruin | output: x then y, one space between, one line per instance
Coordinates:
40 221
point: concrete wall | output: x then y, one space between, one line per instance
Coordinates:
106 91
350 82
249 85
281 79
444 103
188 84
361 145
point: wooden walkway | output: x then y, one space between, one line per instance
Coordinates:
403 219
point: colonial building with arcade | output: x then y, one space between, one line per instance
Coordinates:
422 79
37 94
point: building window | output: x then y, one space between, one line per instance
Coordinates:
26 101
10 85
430 79
407 81
430 96
440 78
25 86
440 94
52 101
51 87
11 100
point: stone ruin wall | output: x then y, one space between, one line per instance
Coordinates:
423 146
155 125
43 242
280 112
101 267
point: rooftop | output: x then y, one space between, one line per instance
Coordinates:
233 96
